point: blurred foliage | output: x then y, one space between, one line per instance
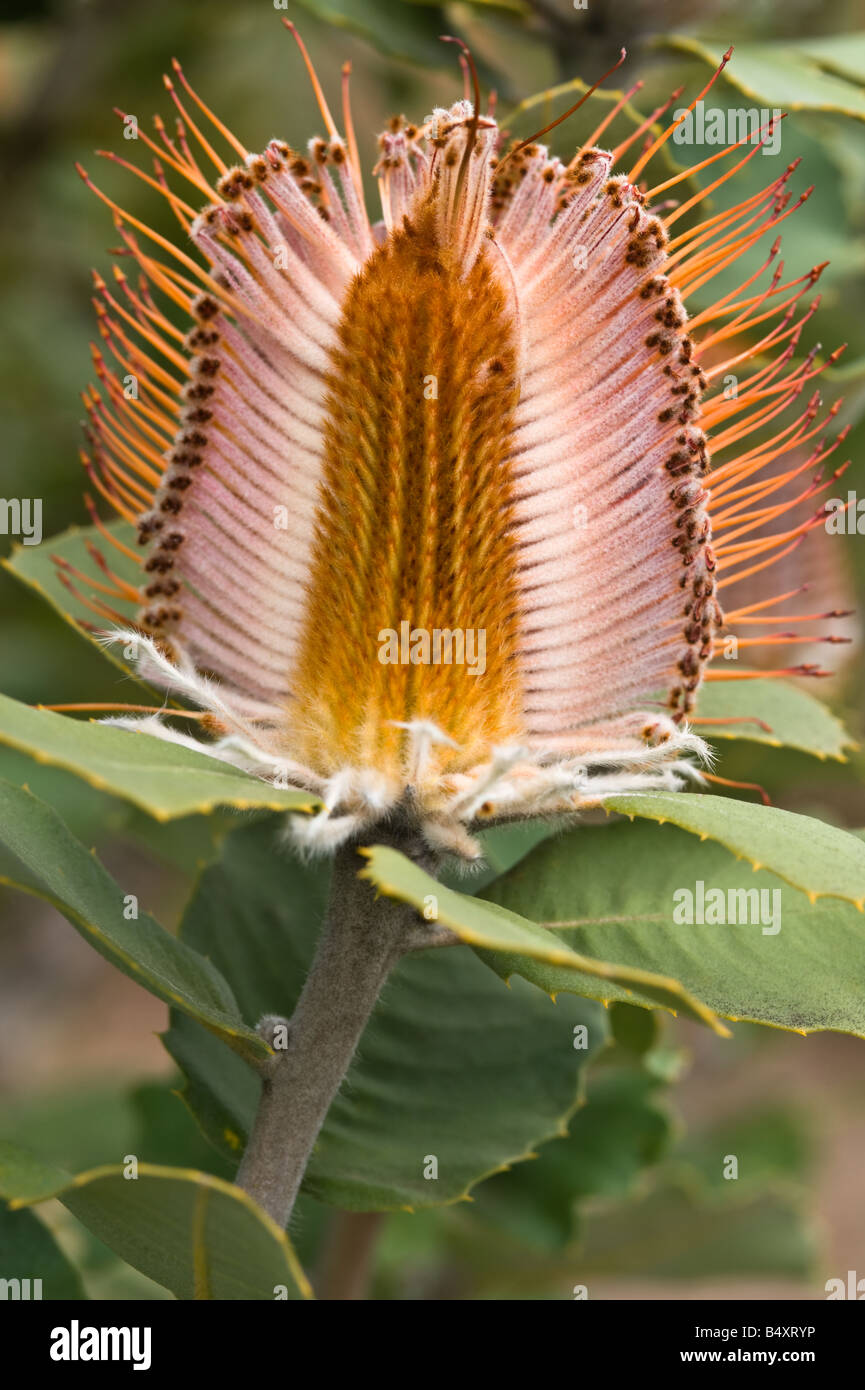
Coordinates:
615 1197
644 1201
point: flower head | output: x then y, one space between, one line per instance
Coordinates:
425 503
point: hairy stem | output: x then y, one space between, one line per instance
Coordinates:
362 939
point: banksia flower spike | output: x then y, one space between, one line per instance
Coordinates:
436 512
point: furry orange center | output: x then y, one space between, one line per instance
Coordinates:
413 600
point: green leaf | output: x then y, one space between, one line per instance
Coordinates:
194 1233
611 889
611 1141
634 1030
841 53
671 1233
619 1132
29 1252
40 856
513 944
797 75
33 565
452 1065
219 1090
411 32
794 718
769 1145
187 844
674 1234
820 859
163 779
166 1133
76 1128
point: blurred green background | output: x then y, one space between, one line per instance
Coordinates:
73 1034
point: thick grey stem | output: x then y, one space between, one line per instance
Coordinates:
362 939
